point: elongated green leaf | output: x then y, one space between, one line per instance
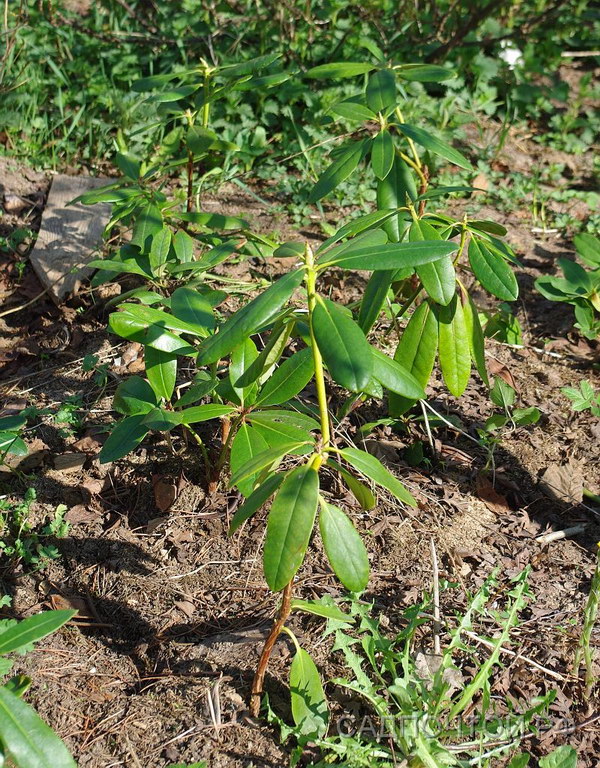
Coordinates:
416 353
381 90
183 245
199 140
475 334
289 526
12 443
159 250
248 67
202 385
374 298
588 248
247 444
395 377
492 271
25 737
317 608
149 334
343 345
340 69
424 73
353 110
344 548
148 223
288 380
214 220
12 422
199 413
128 164
372 237
364 496
491 227
393 256
454 351
151 315
173 94
255 501
309 706
162 420
438 277
260 462
277 433
562 757
194 309
126 436
293 418
371 467
32 629
161 370
250 318
134 396
344 164
242 358
393 192
382 154
435 145
127 266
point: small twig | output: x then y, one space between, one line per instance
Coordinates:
437 647
548 538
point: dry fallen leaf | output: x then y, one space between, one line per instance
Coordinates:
493 500
563 482
165 492
70 462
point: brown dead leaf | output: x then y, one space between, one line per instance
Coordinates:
91 442
165 492
493 500
481 182
563 482
79 604
70 462
496 368
81 514
186 607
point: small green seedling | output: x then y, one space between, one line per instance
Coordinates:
583 399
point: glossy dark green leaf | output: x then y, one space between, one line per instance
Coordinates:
588 248
127 266
381 90
248 67
373 469
317 608
183 245
202 385
416 353
374 297
32 629
393 255
344 347
260 462
173 94
435 145
13 444
12 423
255 501
382 154
309 705
344 548
424 73
162 420
278 433
249 318
340 69
258 84
372 237
193 308
491 227
438 277
26 739
395 377
161 370
353 110
290 250
126 436
363 494
289 526
159 249
294 418
242 358
247 444
148 222
342 167
128 164
492 271
214 220
207 412
288 380
475 335
454 350
134 396
199 140
393 192
150 316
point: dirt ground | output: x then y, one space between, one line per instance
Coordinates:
173 613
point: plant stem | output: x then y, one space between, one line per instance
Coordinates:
259 677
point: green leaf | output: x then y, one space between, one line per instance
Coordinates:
146 314
519 761
562 757
26 739
588 248
492 271
207 412
199 140
161 370
393 192
288 380
438 277
395 377
289 250
373 469
134 396
342 167
202 385
364 496
148 222
393 256
242 358
159 250
330 252
381 90
162 420
382 154
340 69
435 145
126 436
249 67
173 94
131 326
293 418
32 629
277 433
416 352
249 318
184 246
424 73
12 443
260 462
193 308
353 110
255 501
309 706
319 609
488 226
374 297
289 526
247 444
128 164
214 220
454 351
344 548
11 423
344 347
475 335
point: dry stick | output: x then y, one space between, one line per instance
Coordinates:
259 677
437 647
